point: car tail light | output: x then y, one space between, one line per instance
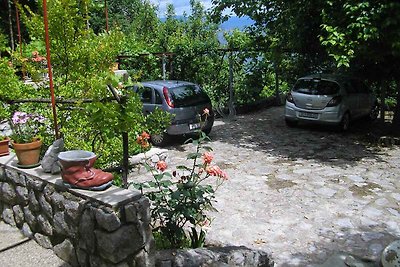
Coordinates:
334 101
167 97
289 98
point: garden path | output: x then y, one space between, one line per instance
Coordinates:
302 193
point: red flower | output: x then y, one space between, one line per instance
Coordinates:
206 112
161 165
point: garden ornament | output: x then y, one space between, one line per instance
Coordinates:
50 160
78 172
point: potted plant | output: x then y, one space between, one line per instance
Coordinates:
4 149
25 139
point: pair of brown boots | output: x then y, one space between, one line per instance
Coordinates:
79 172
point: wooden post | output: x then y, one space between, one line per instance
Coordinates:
232 111
106 13
48 57
18 28
10 25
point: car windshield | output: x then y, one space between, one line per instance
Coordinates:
316 87
188 95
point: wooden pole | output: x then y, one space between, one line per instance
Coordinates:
18 27
48 57
106 12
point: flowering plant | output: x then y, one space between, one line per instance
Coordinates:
26 127
181 199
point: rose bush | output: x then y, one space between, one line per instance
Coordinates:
182 198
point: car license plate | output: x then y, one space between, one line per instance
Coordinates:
194 126
308 115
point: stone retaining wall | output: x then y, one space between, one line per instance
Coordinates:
84 228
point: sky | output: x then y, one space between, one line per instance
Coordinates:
180 6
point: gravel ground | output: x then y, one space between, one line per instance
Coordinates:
301 194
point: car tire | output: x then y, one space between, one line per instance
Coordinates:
344 124
291 123
373 114
160 140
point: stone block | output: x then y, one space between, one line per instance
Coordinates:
108 220
43 240
22 179
86 231
33 202
8 194
145 260
46 207
48 191
72 211
30 218
143 209
118 245
12 175
83 258
35 184
57 200
18 215
26 230
22 195
44 225
8 216
97 261
66 252
131 213
2 174
60 226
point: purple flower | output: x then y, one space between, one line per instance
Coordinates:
20 117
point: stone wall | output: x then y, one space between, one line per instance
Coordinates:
84 228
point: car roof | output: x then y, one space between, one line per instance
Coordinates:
166 83
324 76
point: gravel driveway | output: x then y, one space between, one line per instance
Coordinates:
301 194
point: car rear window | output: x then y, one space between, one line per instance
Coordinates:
188 95
316 87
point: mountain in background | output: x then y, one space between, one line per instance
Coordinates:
236 23
232 23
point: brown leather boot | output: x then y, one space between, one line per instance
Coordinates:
78 171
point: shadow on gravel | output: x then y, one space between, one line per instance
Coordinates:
367 245
265 130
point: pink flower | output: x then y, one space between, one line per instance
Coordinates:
20 117
206 112
216 171
207 157
161 165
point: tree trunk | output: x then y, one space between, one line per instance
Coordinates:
396 118
10 25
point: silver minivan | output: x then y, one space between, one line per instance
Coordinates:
186 101
329 99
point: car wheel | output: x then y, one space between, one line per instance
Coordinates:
373 114
161 139
345 123
291 123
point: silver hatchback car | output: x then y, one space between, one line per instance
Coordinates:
329 99
186 101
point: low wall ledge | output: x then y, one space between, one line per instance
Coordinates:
113 197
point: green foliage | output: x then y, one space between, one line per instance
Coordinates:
82 62
181 199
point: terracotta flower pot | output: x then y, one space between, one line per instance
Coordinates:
28 153
4 149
